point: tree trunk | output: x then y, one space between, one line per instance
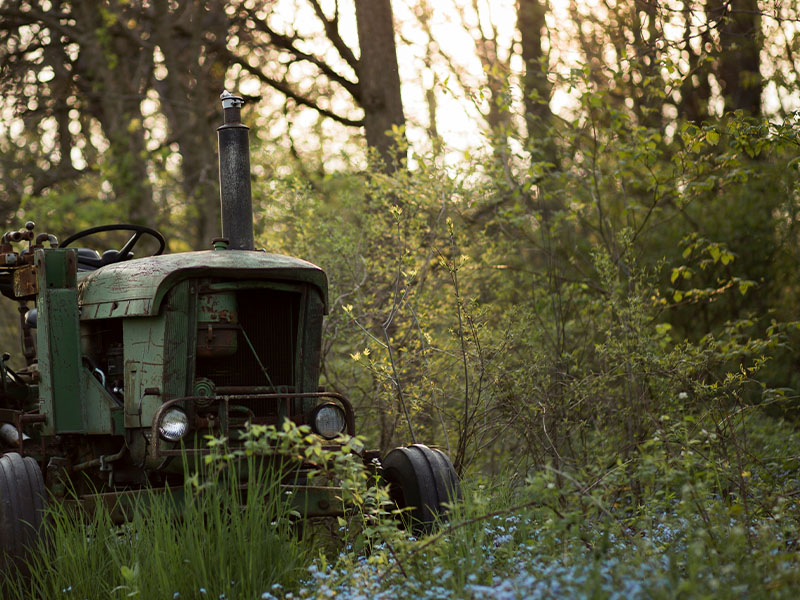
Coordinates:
190 100
693 104
379 80
113 72
647 104
536 87
740 45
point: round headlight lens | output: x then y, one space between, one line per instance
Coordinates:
174 425
329 420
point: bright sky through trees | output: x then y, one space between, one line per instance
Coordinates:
460 61
427 60
453 26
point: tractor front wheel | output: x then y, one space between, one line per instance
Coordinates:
22 504
423 481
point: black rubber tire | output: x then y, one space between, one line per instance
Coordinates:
22 503
423 480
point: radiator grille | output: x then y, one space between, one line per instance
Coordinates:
269 318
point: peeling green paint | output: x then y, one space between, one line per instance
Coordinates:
136 288
58 334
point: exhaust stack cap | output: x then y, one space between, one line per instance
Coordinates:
234 175
231 100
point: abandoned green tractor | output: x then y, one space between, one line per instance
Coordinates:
130 362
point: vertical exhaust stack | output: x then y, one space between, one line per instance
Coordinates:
234 175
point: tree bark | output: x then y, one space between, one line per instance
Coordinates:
190 99
693 105
113 72
538 118
531 23
739 66
379 80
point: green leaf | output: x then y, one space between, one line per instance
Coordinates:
712 137
675 274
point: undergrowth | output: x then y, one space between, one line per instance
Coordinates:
548 535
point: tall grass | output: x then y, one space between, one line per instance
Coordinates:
220 542
509 538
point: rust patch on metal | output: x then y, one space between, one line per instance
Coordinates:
25 282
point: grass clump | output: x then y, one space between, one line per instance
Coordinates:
211 539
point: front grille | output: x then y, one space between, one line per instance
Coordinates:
269 320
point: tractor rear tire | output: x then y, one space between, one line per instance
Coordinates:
423 481
22 503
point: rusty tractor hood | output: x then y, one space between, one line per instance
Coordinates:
135 288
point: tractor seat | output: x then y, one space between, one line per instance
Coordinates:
89 259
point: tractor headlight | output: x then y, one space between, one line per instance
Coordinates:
174 425
328 420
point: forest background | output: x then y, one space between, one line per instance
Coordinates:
561 237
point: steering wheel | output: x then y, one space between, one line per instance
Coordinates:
114 256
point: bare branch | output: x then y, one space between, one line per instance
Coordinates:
285 89
286 42
332 32
50 19
46 179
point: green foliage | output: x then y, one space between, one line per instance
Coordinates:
618 325
214 537
537 538
575 541
605 340
570 305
